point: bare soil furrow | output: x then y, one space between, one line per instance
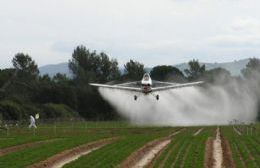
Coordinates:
208 158
197 132
217 151
70 155
145 155
23 146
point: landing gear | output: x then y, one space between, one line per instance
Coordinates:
157 97
135 97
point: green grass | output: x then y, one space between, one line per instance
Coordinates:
69 137
185 150
245 148
35 154
110 155
113 154
17 140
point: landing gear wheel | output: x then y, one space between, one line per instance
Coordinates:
135 97
157 97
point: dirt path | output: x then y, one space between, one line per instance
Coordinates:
236 130
209 160
145 155
217 151
23 146
70 155
197 132
176 132
146 159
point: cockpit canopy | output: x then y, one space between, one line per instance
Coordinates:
146 77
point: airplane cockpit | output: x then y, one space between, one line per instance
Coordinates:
146 77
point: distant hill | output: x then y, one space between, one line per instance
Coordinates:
53 69
233 67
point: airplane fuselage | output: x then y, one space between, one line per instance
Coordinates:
146 84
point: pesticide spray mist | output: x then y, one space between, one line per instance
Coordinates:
209 105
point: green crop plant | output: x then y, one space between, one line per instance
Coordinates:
112 154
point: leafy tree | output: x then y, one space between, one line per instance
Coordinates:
5 75
45 78
25 65
252 73
10 110
88 66
60 78
252 69
134 70
80 64
195 70
165 72
51 110
217 76
108 69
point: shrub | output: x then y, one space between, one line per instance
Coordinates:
10 110
51 110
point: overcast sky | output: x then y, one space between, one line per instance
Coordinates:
150 31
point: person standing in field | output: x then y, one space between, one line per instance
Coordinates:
32 122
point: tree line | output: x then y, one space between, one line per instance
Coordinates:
24 92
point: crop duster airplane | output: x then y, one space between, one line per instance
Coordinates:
145 86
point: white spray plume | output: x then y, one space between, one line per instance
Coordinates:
213 105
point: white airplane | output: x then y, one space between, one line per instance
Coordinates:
145 86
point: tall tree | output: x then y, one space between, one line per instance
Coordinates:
27 68
90 66
165 72
252 73
134 70
195 70
60 78
252 69
217 76
108 69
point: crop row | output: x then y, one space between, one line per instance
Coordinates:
185 150
66 139
112 154
245 148
35 154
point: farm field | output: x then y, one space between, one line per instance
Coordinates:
120 144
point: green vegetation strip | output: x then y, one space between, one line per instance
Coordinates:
112 155
185 150
18 140
32 155
16 148
245 148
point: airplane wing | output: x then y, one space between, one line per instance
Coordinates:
136 89
175 86
130 84
162 84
